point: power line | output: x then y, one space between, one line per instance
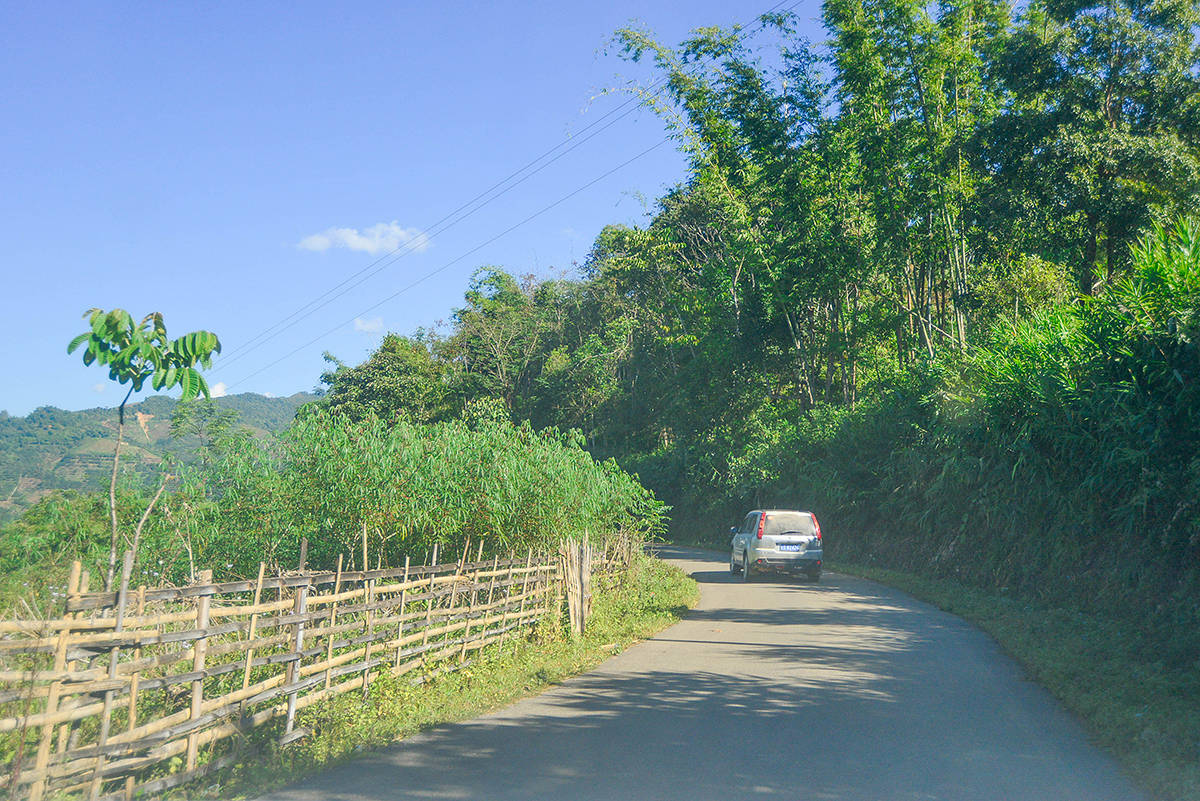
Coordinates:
390 258
446 222
451 263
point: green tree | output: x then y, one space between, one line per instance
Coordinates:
135 353
403 375
204 420
1100 136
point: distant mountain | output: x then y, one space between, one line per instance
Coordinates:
55 449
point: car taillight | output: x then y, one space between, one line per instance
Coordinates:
762 521
817 526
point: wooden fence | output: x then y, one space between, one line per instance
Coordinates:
136 691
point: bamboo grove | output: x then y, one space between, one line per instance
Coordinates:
932 277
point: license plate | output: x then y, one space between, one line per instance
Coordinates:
790 547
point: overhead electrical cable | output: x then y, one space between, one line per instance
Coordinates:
463 211
388 259
451 219
454 261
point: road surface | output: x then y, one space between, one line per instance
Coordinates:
844 690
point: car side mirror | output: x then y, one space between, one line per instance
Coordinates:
733 529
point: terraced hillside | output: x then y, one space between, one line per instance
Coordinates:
57 449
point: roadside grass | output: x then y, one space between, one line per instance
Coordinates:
626 608
1142 710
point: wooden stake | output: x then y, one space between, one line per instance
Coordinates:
293 668
258 585
199 652
370 614
508 593
133 688
462 654
106 716
67 729
337 587
42 761
400 613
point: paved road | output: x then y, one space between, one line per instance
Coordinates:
842 690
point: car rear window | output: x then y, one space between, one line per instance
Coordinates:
789 523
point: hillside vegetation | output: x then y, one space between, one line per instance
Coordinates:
936 280
51 449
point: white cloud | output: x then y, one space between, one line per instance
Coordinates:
218 390
98 388
372 325
379 238
268 394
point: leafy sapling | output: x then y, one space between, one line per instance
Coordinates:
135 354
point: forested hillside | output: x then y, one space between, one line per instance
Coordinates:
928 280
52 449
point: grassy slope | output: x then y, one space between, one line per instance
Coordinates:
652 597
1144 712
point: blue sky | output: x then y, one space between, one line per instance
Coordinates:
228 163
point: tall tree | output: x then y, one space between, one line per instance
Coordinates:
1101 135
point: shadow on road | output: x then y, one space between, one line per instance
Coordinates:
841 691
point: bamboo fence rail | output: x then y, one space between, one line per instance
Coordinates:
132 692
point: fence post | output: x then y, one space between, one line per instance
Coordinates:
199 652
524 587
585 583
293 668
400 625
462 654
367 620
106 716
133 688
66 731
42 761
337 588
258 585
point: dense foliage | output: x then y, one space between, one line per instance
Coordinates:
334 480
912 281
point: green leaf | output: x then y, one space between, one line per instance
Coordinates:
77 341
188 382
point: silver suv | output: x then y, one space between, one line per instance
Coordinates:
782 540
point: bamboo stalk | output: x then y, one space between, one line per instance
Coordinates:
262 567
199 651
337 585
42 760
400 624
106 714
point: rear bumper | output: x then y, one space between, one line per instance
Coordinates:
807 562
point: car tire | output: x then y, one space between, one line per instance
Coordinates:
746 569
734 568
814 576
